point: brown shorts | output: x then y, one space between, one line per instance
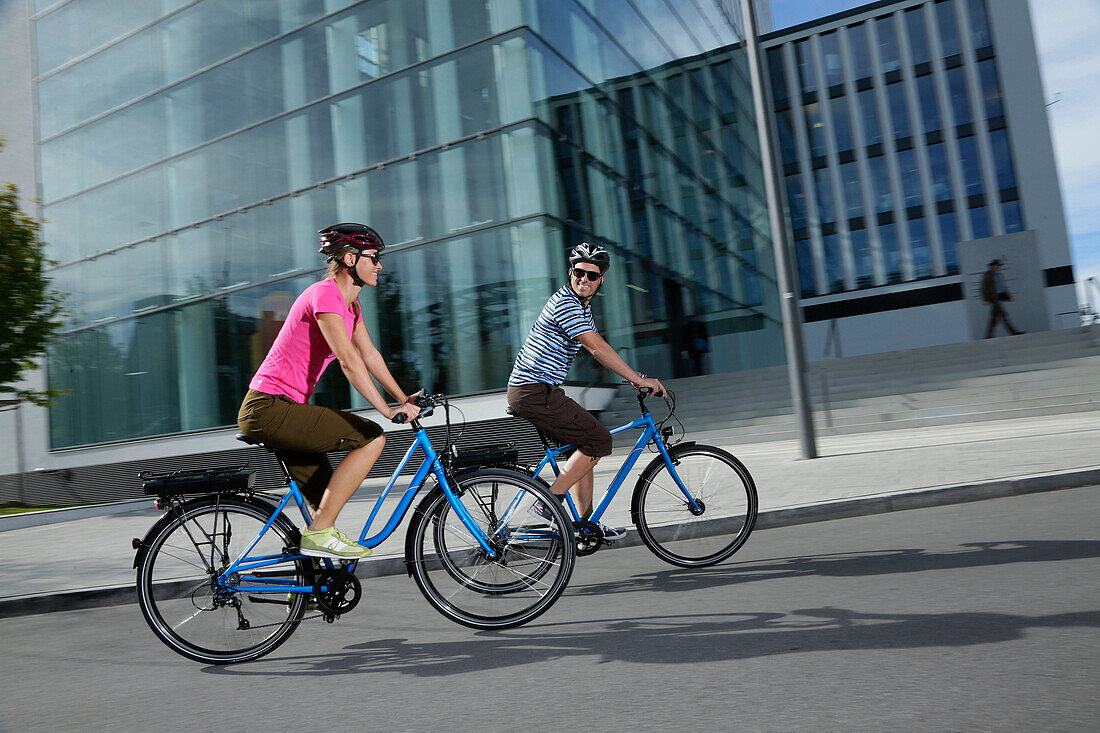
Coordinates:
548 408
302 434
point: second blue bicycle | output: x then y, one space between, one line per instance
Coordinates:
694 505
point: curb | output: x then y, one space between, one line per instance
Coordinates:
783 517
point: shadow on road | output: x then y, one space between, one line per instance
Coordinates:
694 638
881 562
673 639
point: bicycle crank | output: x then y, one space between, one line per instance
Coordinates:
337 591
589 537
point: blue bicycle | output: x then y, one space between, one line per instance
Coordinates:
220 578
693 505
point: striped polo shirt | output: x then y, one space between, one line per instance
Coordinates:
552 343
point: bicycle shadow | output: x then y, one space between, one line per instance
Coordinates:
862 564
692 639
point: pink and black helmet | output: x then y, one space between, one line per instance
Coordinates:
334 238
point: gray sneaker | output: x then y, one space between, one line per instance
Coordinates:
331 543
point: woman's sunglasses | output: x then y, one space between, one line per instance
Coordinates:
373 258
581 274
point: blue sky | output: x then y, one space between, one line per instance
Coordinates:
1067 34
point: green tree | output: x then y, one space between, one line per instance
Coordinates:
30 310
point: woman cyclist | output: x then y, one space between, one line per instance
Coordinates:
326 323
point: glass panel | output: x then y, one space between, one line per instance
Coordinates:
941 179
892 258
861 252
815 128
834 269
899 109
842 124
918 39
910 178
930 107
805 66
979 24
960 100
971 165
918 244
788 145
1002 158
871 130
796 201
823 189
949 33
887 44
880 184
778 75
991 89
79 27
805 260
1014 221
979 222
861 59
849 173
831 56
949 235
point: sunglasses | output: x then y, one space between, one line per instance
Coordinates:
581 274
373 258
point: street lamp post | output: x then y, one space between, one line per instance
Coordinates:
789 307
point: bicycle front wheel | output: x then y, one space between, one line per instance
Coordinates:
715 527
532 562
177 581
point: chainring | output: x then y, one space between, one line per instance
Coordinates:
337 591
589 537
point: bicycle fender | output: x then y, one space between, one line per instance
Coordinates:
142 545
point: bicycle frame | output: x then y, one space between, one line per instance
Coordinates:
244 564
649 434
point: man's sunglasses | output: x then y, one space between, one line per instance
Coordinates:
581 274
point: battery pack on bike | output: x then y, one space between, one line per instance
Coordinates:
485 456
227 480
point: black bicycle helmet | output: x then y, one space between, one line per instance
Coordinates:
338 236
591 253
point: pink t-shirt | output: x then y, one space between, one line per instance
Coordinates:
300 352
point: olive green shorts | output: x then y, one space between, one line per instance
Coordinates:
549 409
302 435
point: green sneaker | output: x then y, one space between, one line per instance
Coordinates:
331 543
311 605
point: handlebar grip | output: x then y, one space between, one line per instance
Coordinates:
646 391
399 418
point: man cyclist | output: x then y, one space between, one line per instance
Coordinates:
326 323
534 387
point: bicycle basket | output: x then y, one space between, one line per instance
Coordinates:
229 480
501 454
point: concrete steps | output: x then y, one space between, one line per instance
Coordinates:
1046 373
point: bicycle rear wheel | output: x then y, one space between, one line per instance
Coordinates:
177 581
666 522
533 562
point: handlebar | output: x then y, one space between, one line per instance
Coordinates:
427 404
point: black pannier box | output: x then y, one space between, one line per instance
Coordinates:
503 454
231 479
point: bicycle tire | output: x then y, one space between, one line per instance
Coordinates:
534 561
662 514
183 555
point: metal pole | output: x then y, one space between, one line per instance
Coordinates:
789 307
21 462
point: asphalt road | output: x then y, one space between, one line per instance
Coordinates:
975 617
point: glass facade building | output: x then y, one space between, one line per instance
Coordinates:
894 143
188 151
